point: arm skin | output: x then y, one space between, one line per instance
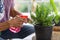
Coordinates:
13 12
6 25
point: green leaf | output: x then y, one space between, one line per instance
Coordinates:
33 17
54 6
57 19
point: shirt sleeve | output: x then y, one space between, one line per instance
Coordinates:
12 3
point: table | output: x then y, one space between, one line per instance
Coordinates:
55 35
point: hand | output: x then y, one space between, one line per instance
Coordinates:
17 21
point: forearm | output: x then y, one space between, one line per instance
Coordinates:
13 12
4 26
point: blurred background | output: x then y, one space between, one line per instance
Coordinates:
25 6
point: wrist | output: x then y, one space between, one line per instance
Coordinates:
10 22
7 23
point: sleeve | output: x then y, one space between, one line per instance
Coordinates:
12 3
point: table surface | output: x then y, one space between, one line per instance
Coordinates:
55 35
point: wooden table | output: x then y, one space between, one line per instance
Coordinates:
55 36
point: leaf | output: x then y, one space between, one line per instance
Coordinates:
33 17
54 6
57 19
44 15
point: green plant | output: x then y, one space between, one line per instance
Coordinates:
57 16
44 16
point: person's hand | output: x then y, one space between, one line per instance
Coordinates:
16 22
24 17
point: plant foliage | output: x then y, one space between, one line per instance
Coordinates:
42 16
57 16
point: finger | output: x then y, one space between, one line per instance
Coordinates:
25 20
20 20
19 23
16 25
17 16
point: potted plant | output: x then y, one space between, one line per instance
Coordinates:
43 20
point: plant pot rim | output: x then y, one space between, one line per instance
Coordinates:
46 26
